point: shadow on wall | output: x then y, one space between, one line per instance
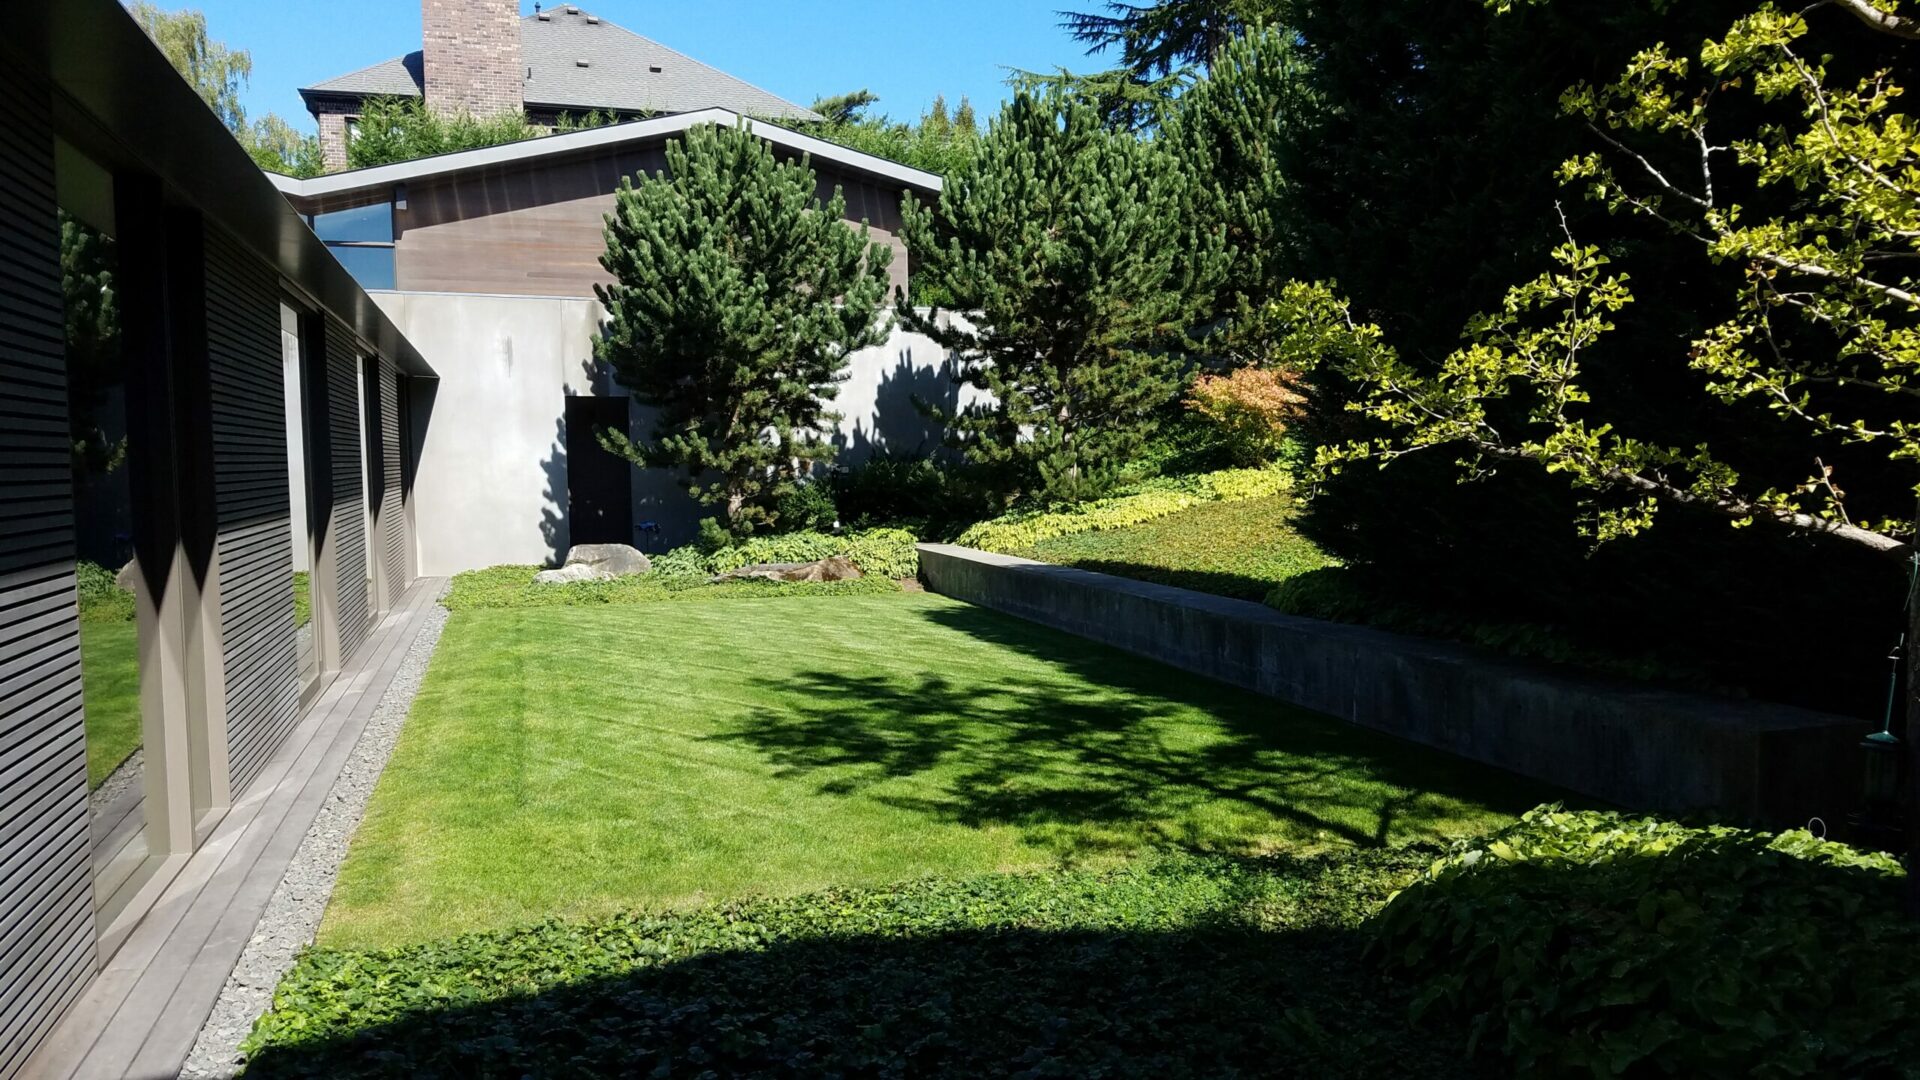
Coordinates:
553 514
1214 999
900 423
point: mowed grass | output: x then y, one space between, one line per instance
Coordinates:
1241 549
578 761
110 688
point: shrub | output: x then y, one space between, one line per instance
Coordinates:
806 506
101 598
1252 407
1601 944
1016 532
914 493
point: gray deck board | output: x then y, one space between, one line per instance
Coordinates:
141 1014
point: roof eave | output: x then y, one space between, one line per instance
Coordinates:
576 142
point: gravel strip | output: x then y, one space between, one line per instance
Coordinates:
293 913
118 783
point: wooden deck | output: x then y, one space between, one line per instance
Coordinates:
142 1012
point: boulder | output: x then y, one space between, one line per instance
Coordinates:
610 560
575 572
836 568
129 576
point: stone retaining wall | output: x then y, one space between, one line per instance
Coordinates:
1629 745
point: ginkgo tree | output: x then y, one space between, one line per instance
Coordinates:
1825 324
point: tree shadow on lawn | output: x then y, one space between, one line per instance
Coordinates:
1111 753
1196 1003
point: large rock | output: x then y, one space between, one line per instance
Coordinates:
837 568
611 560
575 572
129 576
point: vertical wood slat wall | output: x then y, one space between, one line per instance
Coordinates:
47 950
252 506
392 519
349 513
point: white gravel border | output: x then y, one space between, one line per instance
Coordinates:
293 912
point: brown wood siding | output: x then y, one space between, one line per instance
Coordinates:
46 896
538 231
253 506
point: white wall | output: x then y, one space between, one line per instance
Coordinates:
491 483
296 435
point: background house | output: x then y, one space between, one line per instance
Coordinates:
482 57
487 259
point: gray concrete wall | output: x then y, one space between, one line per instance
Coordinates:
491 485
1625 744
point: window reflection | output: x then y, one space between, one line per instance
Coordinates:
298 470
107 577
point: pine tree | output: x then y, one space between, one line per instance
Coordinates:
737 298
1075 256
1233 132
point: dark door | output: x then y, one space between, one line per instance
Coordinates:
599 491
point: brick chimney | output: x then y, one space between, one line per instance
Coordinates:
471 56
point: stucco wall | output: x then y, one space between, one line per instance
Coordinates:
492 475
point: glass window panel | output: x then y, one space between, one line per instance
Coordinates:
372 267
360 225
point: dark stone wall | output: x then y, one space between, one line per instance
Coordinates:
1639 748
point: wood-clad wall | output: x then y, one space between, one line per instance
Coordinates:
347 531
536 230
47 948
253 508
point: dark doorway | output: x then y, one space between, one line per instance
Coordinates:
599 491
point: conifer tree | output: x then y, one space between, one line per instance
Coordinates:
1079 266
737 297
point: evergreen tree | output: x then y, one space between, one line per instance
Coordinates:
1074 253
1232 131
736 300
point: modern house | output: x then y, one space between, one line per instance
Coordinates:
482 57
196 393
487 259
245 422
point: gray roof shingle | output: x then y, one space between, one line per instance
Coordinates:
619 73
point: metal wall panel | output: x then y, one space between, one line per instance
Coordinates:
46 898
349 513
393 518
251 505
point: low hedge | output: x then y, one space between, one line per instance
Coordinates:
1590 944
1173 966
1599 944
1016 532
513 587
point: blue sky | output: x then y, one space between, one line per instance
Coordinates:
905 52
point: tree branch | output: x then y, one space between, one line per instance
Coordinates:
1884 21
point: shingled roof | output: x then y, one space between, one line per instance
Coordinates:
581 62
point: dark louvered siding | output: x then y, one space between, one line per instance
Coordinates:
349 504
393 524
251 504
46 898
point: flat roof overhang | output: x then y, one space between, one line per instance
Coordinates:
118 100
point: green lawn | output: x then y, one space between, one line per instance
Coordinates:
110 685
1240 549
580 761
